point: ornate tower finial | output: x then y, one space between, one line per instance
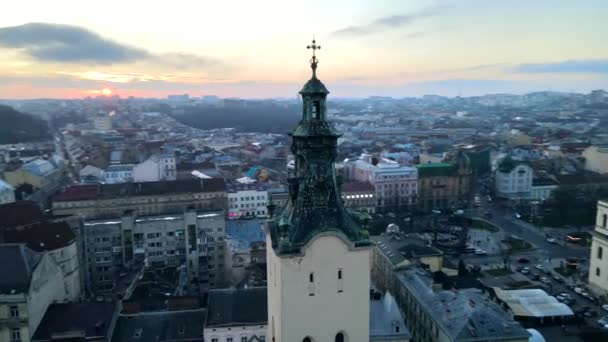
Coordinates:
314 61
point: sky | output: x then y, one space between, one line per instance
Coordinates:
257 49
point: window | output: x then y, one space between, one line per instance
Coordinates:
16 335
604 220
340 337
311 284
340 285
244 339
14 311
215 339
599 252
597 271
262 338
306 339
228 339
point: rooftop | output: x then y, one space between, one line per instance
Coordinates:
244 232
76 320
237 307
462 314
20 213
108 191
160 326
398 247
44 236
20 262
532 303
385 320
357 187
436 169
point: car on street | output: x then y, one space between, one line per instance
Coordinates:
523 260
552 240
545 280
518 216
539 267
459 212
558 278
525 270
605 307
578 290
479 251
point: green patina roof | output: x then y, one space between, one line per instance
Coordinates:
314 86
436 170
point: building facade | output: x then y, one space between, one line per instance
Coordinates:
598 266
118 173
443 185
513 179
359 196
247 200
193 239
144 198
36 282
156 168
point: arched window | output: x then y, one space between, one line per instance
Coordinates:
311 284
307 339
340 337
600 251
604 220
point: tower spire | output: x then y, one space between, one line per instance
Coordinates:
314 61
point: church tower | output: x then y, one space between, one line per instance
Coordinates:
318 262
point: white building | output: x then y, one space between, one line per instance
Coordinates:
394 185
513 179
118 173
596 159
7 192
247 200
103 122
155 168
36 282
598 266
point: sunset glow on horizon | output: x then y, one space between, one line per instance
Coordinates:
252 50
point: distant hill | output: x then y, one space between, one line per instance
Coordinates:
264 119
17 127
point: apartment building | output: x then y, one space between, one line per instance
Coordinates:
247 200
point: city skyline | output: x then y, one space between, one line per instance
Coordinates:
235 49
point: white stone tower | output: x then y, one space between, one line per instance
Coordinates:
318 261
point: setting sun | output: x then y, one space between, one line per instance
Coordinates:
106 91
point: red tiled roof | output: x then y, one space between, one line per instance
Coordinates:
77 193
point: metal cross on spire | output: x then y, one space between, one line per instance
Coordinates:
314 61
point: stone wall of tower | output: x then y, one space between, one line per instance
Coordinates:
320 293
598 265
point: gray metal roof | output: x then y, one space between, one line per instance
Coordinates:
18 264
237 307
184 325
385 320
464 315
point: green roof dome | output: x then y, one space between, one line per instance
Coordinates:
314 86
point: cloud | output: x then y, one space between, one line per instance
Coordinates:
67 44
597 66
384 23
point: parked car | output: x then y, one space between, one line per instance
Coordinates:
552 240
605 307
545 280
525 270
578 290
523 260
479 251
517 215
539 267
459 212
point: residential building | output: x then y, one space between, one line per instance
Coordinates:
39 173
83 321
455 316
34 283
245 243
596 159
395 186
444 185
102 122
145 198
513 179
192 239
598 265
7 192
237 315
118 173
91 171
247 200
542 188
359 196
156 168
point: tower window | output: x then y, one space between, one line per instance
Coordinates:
340 283
311 284
600 251
340 337
306 339
604 220
316 110
597 271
